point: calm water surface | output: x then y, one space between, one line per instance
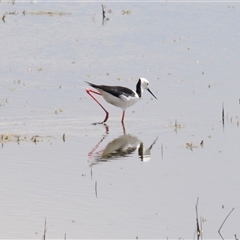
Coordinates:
94 181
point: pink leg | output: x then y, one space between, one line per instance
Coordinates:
89 92
123 116
124 130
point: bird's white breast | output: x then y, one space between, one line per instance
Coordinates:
122 101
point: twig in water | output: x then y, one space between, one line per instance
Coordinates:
223 223
103 11
103 15
104 18
176 125
96 188
45 230
3 18
223 114
197 222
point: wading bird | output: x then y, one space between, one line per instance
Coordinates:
118 96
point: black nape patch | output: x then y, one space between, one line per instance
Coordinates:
138 88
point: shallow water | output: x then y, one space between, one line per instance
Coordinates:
94 181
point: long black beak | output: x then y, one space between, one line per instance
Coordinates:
151 92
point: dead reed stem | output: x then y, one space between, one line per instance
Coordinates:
219 230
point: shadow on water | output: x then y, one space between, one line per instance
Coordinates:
120 147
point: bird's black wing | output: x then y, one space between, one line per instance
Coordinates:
116 91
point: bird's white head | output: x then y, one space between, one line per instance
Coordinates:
143 84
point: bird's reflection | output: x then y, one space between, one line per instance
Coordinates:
120 147
145 154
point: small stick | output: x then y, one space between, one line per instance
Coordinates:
223 113
103 12
45 230
176 126
96 188
201 221
103 15
3 18
223 223
198 228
